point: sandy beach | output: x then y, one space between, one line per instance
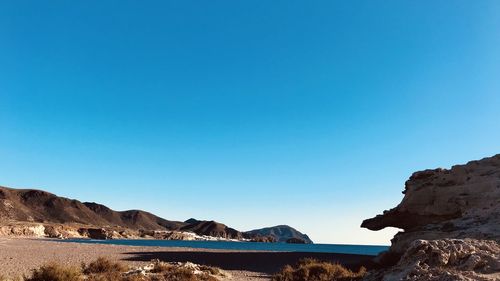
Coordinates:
19 256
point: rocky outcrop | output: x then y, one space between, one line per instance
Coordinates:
62 231
99 233
445 260
458 203
29 230
463 202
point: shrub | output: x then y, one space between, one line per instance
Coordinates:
313 270
103 265
55 272
103 269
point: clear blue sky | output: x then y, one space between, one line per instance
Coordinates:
252 113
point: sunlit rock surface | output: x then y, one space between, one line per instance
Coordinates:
458 203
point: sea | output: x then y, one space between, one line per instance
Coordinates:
242 246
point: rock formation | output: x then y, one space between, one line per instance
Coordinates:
446 260
458 203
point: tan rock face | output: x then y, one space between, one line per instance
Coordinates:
36 230
451 223
462 202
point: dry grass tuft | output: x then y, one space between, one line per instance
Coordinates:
103 269
55 272
103 265
313 270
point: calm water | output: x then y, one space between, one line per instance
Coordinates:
225 245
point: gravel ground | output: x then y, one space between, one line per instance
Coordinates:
18 256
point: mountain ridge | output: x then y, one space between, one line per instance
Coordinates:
39 206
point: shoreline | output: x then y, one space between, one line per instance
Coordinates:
368 250
18 256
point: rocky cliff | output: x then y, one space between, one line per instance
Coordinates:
461 204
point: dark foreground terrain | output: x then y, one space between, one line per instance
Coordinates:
20 256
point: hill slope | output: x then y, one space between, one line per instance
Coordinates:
281 233
211 228
40 206
37 206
